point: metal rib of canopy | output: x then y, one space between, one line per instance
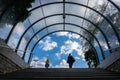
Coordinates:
29 60
59 30
41 19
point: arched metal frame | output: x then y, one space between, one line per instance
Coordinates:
76 4
66 24
116 33
59 15
30 57
114 5
6 9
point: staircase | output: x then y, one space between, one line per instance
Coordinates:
61 73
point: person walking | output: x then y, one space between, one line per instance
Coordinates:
70 60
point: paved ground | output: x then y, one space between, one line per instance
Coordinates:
61 73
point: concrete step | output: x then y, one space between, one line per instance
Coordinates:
61 73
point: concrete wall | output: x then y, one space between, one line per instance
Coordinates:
9 60
112 62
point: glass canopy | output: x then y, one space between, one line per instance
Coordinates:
97 22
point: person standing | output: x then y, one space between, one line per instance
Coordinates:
70 60
47 63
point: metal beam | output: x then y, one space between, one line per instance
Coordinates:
58 15
116 33
66 24
30 57
114 5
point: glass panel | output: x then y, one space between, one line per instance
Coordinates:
20 53
26 23
78 1
53 9
98 5
27 56
34 40
49 1
110 34
87 25
87 34
39 26
92 16
75 9
36 15
103 44
55 28
42 33
98 51
72 28
74 20
102 41
34 4
22 47
54 19
29 49
6 22
114 16
25 40
4 30
117 2
18 31
110 10
13 40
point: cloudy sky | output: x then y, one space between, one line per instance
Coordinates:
56 48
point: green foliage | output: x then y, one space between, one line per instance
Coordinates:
90 58
16 9
20 8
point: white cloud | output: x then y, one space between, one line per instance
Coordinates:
77 58
63 64
67 34
61 33
48 44
100 2
58 55
4 30
13 41
69 47
76 36
38 63
74 46
22 47
19 29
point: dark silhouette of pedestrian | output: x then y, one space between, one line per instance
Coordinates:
70 60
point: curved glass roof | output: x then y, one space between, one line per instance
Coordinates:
95 21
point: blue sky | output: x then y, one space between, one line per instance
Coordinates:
56 48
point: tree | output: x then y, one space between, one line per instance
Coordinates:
16 9
90 58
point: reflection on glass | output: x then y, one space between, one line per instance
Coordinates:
99 53
75 9
72 28
117 2
55 28
53 9
74 20
54 19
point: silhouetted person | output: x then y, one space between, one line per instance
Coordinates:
70 60
47 63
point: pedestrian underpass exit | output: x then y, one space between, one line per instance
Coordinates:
89 30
